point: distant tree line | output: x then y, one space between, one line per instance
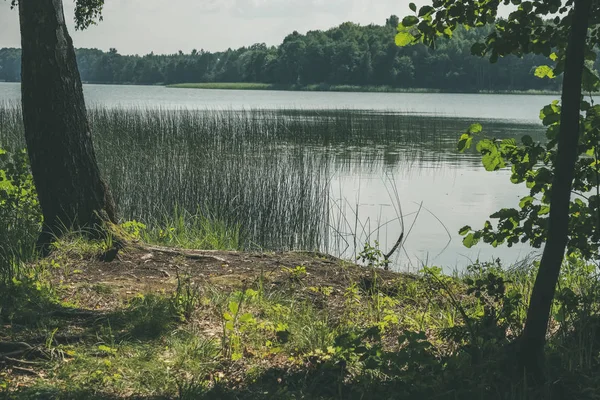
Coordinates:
346 55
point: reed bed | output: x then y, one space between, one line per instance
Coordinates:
265 173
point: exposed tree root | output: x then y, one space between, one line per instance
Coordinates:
20 353
191 254
319 254
26 371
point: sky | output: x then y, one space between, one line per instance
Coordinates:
161 26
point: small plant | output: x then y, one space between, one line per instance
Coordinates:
106 351
352 305
21 299
107 242
235 323
373 257
296 274
324 290
134 228
20 214
413 360
186 299
382 311
497 315
503 307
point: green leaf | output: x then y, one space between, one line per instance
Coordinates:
246 318
590 55
493 161
543 176
465 142
412 7
470 241
107 349
409 21
550 114
553 56
425 10
589 79
234 307
507 143
544 71
505 213
525 201
545 210
527 140
485 145
475 128
559 316
227 316
478 49
404 38
464 230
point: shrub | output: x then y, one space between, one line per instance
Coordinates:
20 214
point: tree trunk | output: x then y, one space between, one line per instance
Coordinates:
534 335
71 191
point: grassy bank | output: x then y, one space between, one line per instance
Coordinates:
228 325
339 88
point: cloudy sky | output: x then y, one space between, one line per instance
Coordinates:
142 26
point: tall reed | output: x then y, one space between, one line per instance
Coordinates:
265 173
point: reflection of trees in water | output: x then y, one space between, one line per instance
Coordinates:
359 141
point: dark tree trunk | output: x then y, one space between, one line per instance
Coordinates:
71 191
534 335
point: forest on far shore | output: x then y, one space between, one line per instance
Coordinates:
349 54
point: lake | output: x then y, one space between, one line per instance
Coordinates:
521 108
357 161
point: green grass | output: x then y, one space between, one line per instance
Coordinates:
187 231
289 340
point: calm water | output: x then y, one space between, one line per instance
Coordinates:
371 183
522 108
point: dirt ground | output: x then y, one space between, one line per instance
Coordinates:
142 270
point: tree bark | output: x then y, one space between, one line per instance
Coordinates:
534 336
71 191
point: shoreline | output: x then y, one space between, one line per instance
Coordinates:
342 88
321 88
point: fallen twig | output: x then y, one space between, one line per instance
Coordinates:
16 357
319 254
20 361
